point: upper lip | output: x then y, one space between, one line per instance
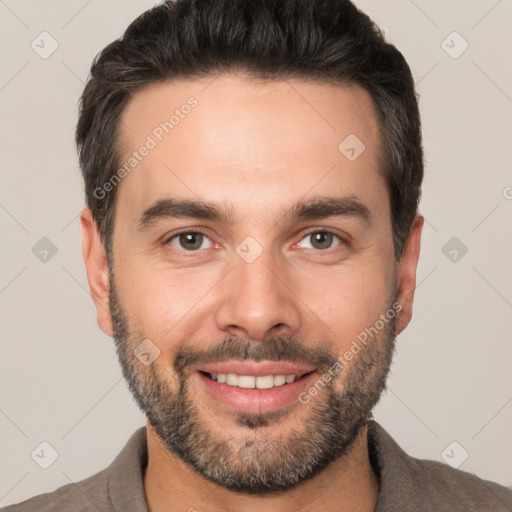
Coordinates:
256 369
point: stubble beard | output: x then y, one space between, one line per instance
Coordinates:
253 458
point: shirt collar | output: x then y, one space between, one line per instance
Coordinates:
126 482
395 470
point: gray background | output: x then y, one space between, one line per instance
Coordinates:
451 379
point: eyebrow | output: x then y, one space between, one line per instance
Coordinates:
316 208
322 207
182 208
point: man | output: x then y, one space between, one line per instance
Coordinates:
251 236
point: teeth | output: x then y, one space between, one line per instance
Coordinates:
246 381
279 380
265 382
232 379
251 382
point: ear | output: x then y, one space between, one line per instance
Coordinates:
97 270
405 270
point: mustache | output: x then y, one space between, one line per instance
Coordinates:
279 348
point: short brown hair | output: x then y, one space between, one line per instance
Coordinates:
323 40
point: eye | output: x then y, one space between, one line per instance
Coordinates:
190 241
320 240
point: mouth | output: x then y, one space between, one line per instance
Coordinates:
255 389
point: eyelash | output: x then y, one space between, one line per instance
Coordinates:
187 232
343 240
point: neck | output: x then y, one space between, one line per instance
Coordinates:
347 484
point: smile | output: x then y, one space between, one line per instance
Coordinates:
250 393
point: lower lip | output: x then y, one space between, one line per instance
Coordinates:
256 400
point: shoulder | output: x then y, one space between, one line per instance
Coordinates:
454 489
118 487
88 495
407 483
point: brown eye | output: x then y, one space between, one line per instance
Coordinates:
321 240
190 241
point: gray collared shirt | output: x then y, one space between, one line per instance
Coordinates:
405 484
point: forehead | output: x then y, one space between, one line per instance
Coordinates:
248 144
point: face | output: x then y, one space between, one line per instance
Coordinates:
254 297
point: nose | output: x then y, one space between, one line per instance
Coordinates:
257 300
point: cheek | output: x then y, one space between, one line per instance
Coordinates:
161 302
346 301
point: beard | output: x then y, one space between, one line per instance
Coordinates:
259 461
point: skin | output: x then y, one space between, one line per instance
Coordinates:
257 149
